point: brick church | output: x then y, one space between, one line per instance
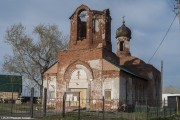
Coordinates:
90 67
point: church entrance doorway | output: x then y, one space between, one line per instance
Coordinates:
82 96
79 82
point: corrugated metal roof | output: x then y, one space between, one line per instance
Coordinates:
9 83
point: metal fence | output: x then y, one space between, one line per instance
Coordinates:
113 109
77 108
14 105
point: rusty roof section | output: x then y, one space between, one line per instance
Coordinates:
123 68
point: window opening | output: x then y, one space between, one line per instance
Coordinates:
82 25
122 46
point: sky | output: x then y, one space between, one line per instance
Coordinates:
148 20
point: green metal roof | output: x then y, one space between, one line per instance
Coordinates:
9 83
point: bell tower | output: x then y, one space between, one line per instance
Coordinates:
123 36
90 29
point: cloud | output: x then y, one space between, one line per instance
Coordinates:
138 33
148 20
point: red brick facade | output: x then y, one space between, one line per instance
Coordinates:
91 66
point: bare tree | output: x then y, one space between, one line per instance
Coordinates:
33 55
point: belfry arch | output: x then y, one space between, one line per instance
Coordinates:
82 25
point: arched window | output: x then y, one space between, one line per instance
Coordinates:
121 46
82 25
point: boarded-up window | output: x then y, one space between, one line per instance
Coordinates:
107 94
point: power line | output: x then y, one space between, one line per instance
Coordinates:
163 38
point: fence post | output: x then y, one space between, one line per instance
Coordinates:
103 110
44 102
79 108
31 102
164 107
147 108
177 104
63 112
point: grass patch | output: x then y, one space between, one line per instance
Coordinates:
94 116
174 117
16 108
83 116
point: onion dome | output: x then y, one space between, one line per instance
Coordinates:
123 31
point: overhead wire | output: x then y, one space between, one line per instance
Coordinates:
162 39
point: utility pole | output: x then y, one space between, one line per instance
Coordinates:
178 11
161 76
179 7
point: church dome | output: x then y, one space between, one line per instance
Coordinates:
123 31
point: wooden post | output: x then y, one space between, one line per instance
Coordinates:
179 11
44 102
177 104
63 112
164 108
161 78
103 107
146 108
12 91
31 102
79 108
